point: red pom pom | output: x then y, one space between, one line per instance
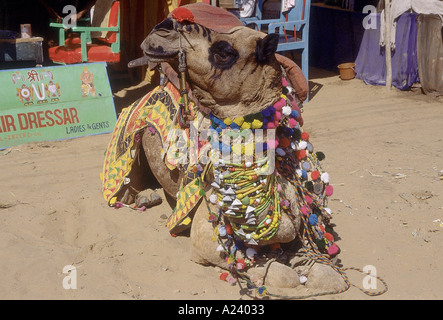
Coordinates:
284 143
300 154
223 276
229 229
315 175
305 136
240 264
183 14
329 236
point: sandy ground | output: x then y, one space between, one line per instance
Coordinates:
384 152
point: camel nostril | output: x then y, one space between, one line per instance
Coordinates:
158 49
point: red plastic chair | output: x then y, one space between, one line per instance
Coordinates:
83 48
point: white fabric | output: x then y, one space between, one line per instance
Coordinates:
287 5
398 7
100 18
248 7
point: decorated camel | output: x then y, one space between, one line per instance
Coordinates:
223 136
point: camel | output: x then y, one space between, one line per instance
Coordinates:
263 222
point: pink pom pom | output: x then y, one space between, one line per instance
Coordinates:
280 104
231 280
333 249
308 199
151 130
277 115
284 83
305 210
292 123
329 190
285 203
270 125
240 265
272 144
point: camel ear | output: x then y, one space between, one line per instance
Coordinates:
266 47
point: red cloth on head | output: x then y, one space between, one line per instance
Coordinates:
182 14
211 17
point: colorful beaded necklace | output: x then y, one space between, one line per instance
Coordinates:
243 195
250 203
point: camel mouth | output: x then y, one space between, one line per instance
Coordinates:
138 62
154 56
151 58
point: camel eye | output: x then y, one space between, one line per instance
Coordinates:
222 55
220 58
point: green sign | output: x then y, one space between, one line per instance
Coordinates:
55 103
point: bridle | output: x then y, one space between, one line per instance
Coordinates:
185 115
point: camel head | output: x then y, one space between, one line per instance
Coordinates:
232 73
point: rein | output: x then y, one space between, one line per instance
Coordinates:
185 115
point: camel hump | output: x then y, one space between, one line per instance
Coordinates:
295 76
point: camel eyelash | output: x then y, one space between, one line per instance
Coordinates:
222 55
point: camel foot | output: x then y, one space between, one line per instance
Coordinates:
324 277
319 277
274 274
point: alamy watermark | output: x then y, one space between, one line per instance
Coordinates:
234 146
370 281
370 21
70 280
70 21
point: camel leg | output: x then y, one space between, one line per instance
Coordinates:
203 249
169 180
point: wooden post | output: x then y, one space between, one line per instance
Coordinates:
388 44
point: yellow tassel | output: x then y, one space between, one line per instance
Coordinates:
239 121
257 124
227 121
